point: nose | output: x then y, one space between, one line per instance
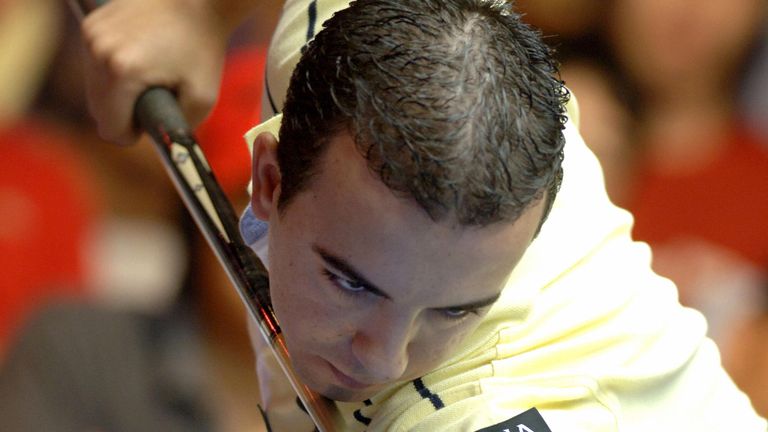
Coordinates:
381 346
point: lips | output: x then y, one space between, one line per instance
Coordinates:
346 380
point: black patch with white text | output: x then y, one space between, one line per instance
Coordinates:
529 421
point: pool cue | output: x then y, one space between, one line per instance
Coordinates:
158 114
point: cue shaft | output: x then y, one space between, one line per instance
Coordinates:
158 113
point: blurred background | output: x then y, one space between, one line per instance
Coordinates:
106 280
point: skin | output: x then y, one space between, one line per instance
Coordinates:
349 338
677 47
132 45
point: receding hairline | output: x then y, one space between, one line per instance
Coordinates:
344 128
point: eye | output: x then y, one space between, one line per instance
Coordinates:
457 313
350 285
343 283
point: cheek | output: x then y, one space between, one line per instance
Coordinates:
430 350
308 315
288 287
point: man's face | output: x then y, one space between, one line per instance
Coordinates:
368 290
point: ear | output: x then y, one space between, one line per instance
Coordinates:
265 175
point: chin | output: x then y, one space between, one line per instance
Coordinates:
318 374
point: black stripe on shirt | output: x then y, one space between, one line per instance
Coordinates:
312 19
311 22
361 418
427 394
359 415
271 100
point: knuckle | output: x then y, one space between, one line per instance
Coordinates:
122 64
96 40
89 29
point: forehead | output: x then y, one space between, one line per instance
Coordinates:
346 209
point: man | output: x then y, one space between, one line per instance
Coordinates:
418 157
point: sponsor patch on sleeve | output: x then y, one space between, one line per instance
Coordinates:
529 421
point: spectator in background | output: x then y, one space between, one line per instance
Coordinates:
576 30
118 236
49 201
701 195
49 209
565 21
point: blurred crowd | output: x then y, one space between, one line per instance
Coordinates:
101 264
93 238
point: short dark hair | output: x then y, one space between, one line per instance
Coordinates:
456 104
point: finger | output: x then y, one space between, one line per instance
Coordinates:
113 78
110 102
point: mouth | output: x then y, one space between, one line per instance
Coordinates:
346 380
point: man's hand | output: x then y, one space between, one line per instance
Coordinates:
136 44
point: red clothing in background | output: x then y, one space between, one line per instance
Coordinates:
236 112
724 202
48 204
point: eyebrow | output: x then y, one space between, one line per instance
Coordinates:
476 304
349 271
343 266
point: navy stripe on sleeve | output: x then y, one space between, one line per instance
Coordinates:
271 100
359 415
361 418
312 18
311 22
427 394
